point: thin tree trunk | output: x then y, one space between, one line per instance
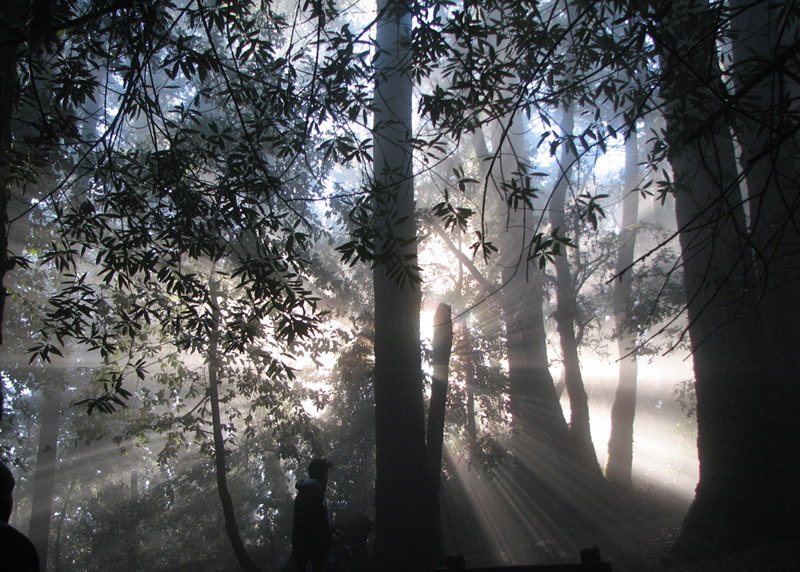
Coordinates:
619 463
228 510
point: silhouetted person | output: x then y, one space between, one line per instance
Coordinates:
311 531
17 553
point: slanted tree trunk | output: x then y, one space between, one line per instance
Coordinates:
400 532
619 462
566 314
44 478
228 510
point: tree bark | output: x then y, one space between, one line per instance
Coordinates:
400 539
619 462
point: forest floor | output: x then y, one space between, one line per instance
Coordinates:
634 532
775 557
641 541
657 528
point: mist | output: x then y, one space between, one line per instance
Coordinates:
524 273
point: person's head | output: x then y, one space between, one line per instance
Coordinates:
318 470
6 489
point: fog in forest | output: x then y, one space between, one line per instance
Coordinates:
113 502
524 273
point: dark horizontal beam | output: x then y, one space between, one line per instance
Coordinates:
590 562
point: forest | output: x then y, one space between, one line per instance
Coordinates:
526 272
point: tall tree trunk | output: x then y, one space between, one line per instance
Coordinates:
442 347
732 405
44 478
281 495
400 539
566 314
766 49
61 518
469 357
13 14
619 462
540 432
132 541
228 510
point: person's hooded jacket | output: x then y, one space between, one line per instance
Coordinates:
311 532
